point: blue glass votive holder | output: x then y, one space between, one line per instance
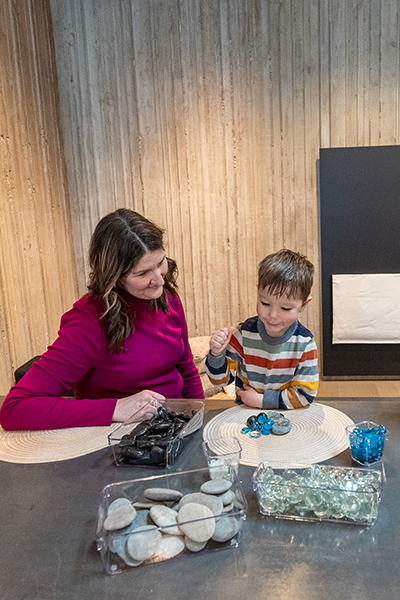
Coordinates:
367 441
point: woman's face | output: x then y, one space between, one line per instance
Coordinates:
146 280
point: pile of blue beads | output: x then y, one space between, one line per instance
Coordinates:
367 441
266 423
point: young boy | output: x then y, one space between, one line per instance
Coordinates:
272 357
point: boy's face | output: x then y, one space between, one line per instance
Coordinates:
278 313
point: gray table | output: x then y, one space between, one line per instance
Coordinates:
48 514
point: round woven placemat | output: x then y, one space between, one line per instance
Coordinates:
27 447
318 433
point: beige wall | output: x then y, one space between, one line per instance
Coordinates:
37 266
206 116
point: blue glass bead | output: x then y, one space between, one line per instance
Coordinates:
246 430
367 444
266 430
255 434
262 419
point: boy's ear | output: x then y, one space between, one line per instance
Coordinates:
305 303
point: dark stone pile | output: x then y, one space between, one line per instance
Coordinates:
155 442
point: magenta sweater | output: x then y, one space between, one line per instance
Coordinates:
157 356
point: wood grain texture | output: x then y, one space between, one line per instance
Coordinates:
206 116
37 265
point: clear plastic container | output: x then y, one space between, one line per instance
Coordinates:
222 453
320 493
115 546
136 444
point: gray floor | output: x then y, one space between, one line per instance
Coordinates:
48 515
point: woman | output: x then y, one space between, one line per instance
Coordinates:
123 346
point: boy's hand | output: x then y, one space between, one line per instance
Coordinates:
250 397
220 339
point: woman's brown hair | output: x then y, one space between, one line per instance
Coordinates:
118 242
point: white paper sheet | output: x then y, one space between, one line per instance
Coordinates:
366 309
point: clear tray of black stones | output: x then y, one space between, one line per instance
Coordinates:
159 441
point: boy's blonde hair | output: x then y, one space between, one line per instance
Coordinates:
286 272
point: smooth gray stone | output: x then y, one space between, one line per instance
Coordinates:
216 486
168 547
194 546
226 498
114 538
119 545
117 504
119 517
148 504
142 542
228 507
225 529
196 521
165 518
214 503
157 493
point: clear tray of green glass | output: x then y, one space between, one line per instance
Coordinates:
320 492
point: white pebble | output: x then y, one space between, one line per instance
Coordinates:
196 521
214 503
194 546
168 547
142 543
162 494
227 497
165 518
225 529
119 517
216 486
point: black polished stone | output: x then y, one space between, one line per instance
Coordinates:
163 427
159 431
157 454
163 412
251 421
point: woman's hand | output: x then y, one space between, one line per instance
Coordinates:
220 339
250 396
138 407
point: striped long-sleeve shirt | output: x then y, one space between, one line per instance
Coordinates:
284 369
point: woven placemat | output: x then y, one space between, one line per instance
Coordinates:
318 433
28 447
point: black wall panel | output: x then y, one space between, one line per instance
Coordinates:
360 233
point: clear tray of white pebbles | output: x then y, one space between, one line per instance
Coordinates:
153 519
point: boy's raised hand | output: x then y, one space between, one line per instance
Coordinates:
220 339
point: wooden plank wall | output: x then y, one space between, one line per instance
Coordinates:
37 265
207 116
